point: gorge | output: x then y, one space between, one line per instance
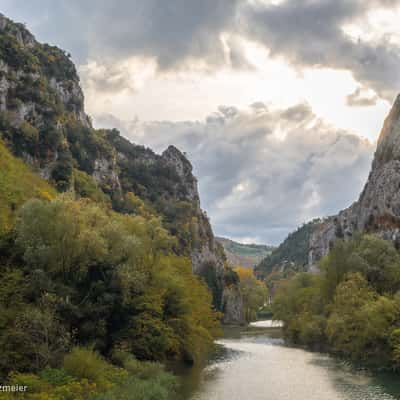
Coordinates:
113 285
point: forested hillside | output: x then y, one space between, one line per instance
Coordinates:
42 120
246 255
352 306
291 254
108 264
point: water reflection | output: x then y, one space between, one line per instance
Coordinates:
254 364
266 324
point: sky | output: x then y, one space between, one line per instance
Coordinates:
277 103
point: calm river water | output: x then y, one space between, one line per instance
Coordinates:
254 364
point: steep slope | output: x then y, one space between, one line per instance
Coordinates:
378 207
245 255
13 195
292 253
42 120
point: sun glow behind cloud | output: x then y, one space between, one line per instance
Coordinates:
381 23
190 94
292 76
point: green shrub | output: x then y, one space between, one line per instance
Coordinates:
162 387
352 308
136 368
29 132
83 363
56 377
86 186
32 381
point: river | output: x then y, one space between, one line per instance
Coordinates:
254 364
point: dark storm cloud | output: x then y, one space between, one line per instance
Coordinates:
308 33
170 31
261 172
173 32
304 32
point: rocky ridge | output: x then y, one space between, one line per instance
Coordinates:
378 208
42 120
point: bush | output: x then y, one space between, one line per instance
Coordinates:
352 308
160 387
34 383
29 132
56 377
139 369
83 363
62 172
86 186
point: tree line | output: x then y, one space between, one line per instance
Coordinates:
352 308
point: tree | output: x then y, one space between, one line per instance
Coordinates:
254 292
361 321
299 305
376 259
47 338
113 280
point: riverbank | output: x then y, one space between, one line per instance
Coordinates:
254 362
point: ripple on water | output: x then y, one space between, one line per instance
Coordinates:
261 368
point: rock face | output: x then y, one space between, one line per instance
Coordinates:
207 252
42 120
232 306
378 208
184 169
39 93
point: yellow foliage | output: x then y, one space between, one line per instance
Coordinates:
17 185
254 292
244 273
135 205
45 195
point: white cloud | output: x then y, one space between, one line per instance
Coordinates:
255 183
265 168
180 59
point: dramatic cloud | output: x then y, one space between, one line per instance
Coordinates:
169 31
177 34
115 77
309 33
262 172
361 98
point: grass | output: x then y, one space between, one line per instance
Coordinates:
17 185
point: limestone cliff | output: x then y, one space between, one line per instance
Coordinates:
206 253
42 120
378 207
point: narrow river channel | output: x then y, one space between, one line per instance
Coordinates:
254 364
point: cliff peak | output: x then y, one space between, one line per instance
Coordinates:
378 207
42 120
388 147
176 159
23 36
173 154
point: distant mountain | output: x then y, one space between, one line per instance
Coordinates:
246 255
